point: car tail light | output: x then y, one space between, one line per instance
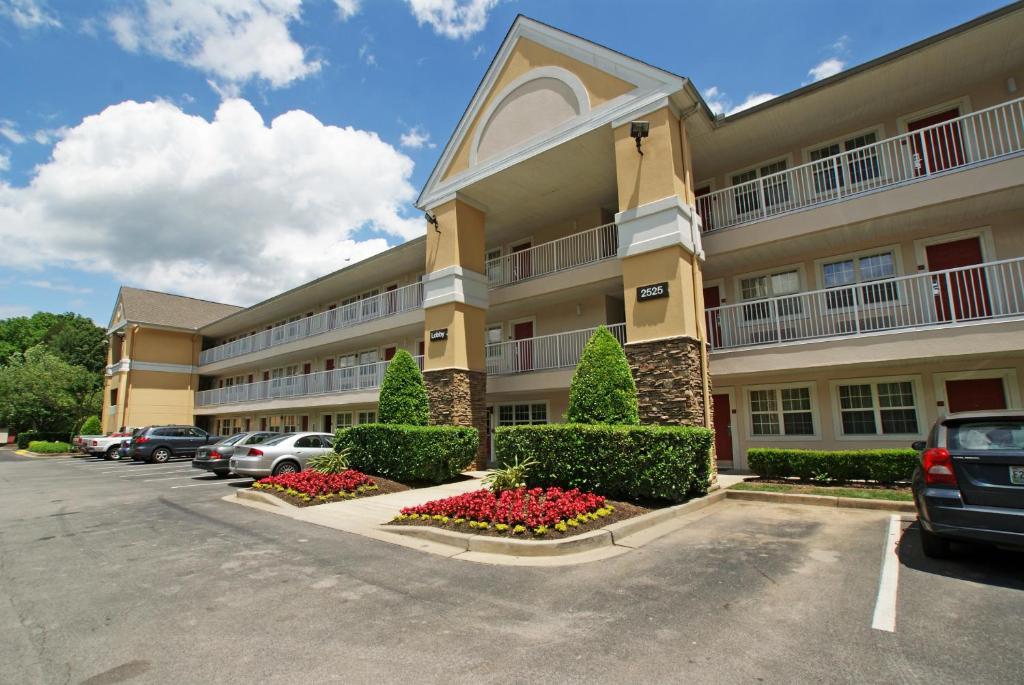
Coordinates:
938 467
141 439
94 443
253 452
214 454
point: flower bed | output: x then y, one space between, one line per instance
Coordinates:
313 487
534 512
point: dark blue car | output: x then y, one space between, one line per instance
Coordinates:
159 443
970 483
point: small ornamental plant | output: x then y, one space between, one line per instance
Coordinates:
91 426
403 396
603 390
311 485
513 512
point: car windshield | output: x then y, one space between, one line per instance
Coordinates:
232 439
986 435
279 439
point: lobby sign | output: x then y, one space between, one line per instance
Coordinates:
439 334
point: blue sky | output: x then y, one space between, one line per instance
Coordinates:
274 139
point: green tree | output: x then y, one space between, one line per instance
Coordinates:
91 426
602 389
40 391
403 397
77 340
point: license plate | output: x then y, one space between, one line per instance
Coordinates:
1017 475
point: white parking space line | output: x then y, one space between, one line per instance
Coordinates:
885 604
209 482
171 477
156 469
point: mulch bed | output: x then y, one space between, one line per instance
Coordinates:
863 485
623 511
384 487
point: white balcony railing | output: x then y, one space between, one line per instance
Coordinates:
555 351
347 379
990 291
942 148
593 245
388 303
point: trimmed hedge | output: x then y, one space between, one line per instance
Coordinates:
881 465
603 390
46 447
403 396
91 426
26 437
622 462
410 454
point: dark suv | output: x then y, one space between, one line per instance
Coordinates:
160 443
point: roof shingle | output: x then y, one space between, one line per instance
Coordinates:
175 311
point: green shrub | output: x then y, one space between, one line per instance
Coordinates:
25 437
411 454
881 465
403 396
509 476
91 426
602 389
332 462
47 447
624 462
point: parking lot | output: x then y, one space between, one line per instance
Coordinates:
116 572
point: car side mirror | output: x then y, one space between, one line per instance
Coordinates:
919 445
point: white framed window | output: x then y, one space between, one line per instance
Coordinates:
858 165
775 191
367 417
274 424
343 419
758 288
522 413
842 274
877 407
781 411
290 423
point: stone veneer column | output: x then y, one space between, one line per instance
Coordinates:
660 242
455 301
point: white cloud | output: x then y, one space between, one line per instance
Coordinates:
232 40
231 209
453 18
415 138
45 136
719 102
367 57
60 287
829 67
9 130
8 311
28 14
842 44
5 160
347 8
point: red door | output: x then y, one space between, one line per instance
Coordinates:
389 353
327 423
305 423
940 147
713 298
307 368
523 332
391 299
266 375
975 394
722 419
329 377
962 294
420 347
263 424
704 208
521 266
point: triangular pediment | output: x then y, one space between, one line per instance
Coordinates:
543 87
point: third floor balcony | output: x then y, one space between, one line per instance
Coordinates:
948 147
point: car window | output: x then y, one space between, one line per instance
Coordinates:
278 440
986 435
257 438
195 433
327 442
163 432
308 441
232 440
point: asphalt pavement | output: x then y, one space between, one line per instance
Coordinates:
140 573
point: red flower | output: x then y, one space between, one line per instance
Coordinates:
315 483
532 508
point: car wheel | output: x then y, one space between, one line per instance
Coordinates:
933 546
286 467
161 455
111 454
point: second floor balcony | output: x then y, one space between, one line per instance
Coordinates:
388 303
336 381
573 251
544 352
993 291
947 147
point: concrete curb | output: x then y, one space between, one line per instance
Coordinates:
264 498
820 500
607 536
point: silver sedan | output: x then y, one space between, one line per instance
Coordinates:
286 453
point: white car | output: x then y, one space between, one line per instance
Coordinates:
105 446
286 453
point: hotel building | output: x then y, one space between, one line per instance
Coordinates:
847 260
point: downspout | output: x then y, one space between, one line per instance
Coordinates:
135 330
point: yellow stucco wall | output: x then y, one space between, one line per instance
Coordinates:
460 240
660 171
666 317
464 348
158 397
526 56
164 347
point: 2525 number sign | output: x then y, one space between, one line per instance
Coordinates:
652 292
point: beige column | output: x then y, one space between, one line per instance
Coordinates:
660 247
455 303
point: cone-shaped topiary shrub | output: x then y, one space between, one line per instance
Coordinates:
602 389
403 397
91 426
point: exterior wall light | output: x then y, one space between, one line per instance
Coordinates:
432 219
638 130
